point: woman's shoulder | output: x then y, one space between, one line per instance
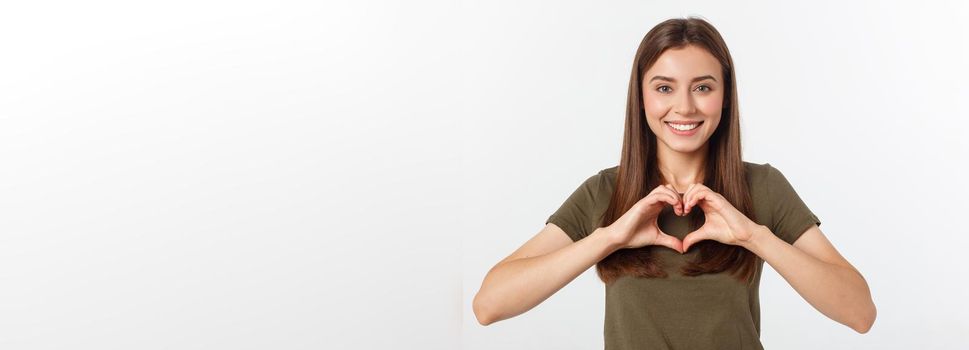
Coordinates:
767 181
602 180
757 173
610 171
608 175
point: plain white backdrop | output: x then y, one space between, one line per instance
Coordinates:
342 175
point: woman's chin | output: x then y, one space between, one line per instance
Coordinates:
685 147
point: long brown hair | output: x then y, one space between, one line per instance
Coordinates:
638 173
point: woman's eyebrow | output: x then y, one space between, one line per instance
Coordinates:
660 77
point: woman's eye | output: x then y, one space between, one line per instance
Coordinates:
663 88
701 87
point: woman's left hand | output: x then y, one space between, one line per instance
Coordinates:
722 222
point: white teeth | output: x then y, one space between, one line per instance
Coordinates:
683 127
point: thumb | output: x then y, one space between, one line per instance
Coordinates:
666 240
694 237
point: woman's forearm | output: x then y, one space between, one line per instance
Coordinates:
514 287
838 292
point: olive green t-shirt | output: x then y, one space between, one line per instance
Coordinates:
710 311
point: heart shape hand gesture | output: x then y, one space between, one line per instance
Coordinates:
639 226
722 221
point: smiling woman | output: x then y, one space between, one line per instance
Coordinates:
637 221
702 102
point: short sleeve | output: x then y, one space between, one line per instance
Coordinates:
575 216
790 216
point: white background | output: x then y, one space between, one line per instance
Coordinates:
244 175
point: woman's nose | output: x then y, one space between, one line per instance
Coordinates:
684 104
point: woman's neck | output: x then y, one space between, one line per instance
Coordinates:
681 169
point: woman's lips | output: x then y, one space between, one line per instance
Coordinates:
684 132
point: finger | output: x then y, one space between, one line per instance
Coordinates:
667 188
686 197
646 203
678 206
671 242
714 201
693 237
669 198
659 191
677 201
698 194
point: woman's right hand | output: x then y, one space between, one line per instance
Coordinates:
639 226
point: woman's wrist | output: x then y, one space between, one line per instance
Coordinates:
759 236
608 239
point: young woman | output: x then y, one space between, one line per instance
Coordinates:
680 229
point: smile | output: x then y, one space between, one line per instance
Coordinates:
683 129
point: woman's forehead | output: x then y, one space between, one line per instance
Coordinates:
683 64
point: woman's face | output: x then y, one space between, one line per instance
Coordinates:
684 87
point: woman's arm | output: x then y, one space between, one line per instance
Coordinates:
538 269
819 274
